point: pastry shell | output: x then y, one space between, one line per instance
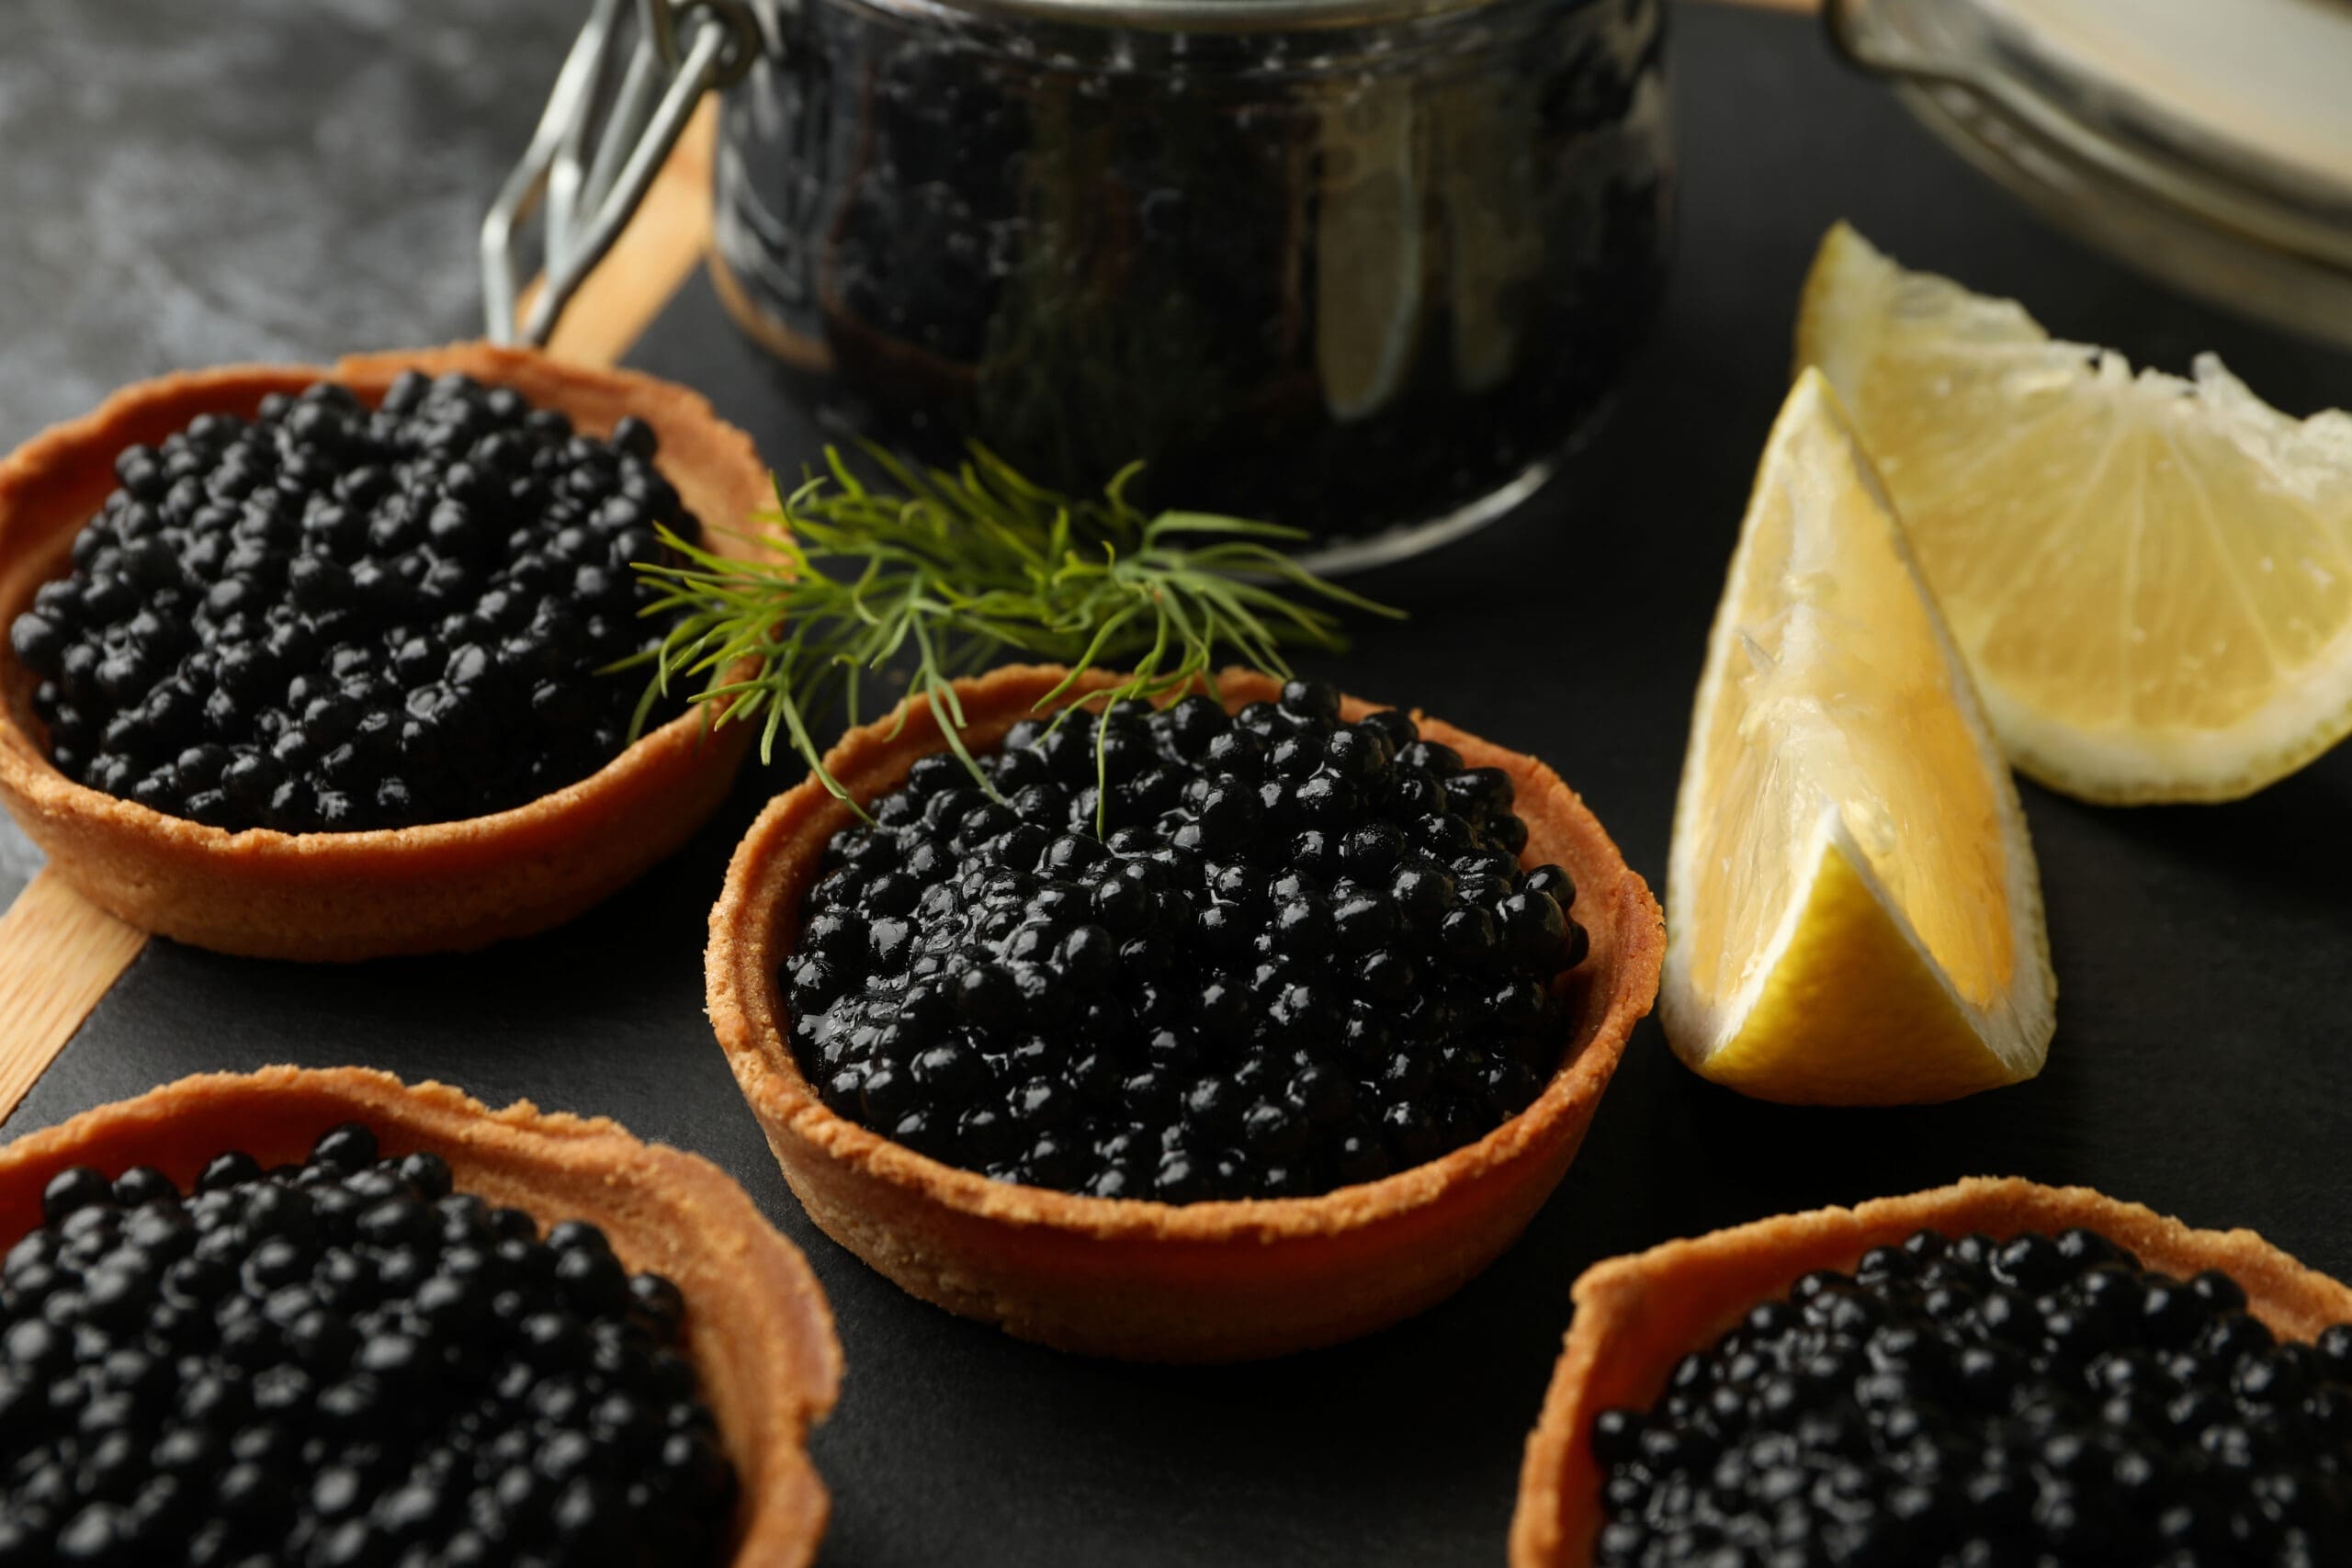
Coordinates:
338 897
1637 1316
1224 1280
757 1327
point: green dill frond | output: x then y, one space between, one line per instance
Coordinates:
944 573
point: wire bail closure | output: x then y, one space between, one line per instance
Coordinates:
618 107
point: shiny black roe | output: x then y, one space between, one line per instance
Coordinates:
2043 1402
1301 955
341 1365
332 618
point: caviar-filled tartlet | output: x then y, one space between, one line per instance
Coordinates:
322 1318
1989 1374
1185 954
318 663
1279 1041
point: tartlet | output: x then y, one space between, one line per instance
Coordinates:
1637 1315
341 897
1217 1280
757 1327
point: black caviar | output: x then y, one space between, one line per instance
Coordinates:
331 617
341 1365
1303 954
2041 1401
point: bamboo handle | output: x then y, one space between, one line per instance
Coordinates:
59 953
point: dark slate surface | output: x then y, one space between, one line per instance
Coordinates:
2201 1063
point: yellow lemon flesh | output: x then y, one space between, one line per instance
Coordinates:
2150 578
1853 916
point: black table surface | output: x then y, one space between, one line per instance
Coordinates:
2201 1065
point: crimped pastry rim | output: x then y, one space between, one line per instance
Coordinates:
567 1160
34 537
1716 1277
744 1006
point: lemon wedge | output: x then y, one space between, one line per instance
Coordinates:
1853 916
2150 577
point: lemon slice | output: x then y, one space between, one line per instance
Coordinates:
2151 577
1368 259
1853 916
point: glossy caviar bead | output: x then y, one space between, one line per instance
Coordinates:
341 1363
2039 1401
1247 987
331 617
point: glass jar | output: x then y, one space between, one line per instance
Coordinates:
2208 145
1362 266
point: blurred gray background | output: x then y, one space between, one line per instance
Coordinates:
247 179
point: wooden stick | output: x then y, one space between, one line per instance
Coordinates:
655 254
59 953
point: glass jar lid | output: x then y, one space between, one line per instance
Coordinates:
2209 144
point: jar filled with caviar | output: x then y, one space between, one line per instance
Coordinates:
1362 266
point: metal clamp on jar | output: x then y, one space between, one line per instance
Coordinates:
1367 267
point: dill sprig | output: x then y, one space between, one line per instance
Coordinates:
949 572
